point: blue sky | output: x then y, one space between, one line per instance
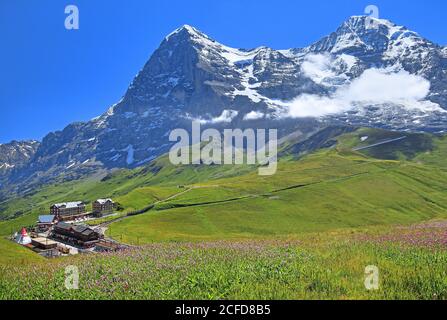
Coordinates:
50 77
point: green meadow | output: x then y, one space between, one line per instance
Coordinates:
224 232
328 265
300 198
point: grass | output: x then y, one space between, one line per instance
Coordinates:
134 189
406 149
307 232
435 157
12 253
142 197
323 190
138 188
327 265
304 196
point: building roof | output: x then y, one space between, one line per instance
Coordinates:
44 241
76 229
83 230
103 201
68 205
46 218
80 228
64 225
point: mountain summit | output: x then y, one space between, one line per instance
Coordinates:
348 77
186 31
362 35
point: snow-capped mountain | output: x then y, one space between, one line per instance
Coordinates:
14 156
382 44
368 72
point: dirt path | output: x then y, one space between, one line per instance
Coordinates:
105 225
379 143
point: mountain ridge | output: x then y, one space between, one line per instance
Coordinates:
191 76
16 153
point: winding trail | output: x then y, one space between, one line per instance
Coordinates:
107 223
104 226
379 143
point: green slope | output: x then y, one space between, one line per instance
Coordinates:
327 189
321 192
12 254
323 266
322 200
408 147
132 189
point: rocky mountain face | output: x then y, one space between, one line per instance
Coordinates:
193 77
15 156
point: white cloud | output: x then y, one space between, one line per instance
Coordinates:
309 105
349 60
317 67
254 115
373 87
226 117
378 86
327 70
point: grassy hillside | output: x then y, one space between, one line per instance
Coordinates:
133 189
331 188
407 147
13 254
314 266
307 232
321 192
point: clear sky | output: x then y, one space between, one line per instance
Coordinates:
50 76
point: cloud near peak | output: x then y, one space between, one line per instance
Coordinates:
226 117
373 87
